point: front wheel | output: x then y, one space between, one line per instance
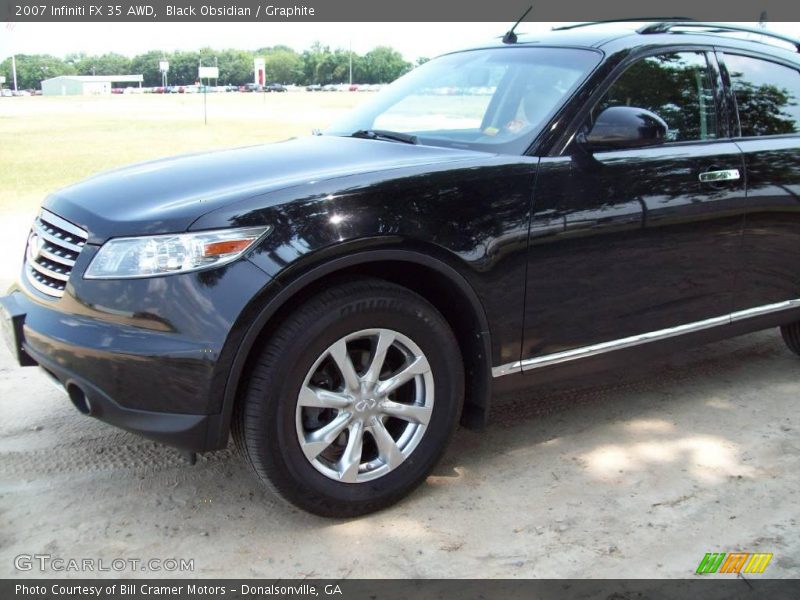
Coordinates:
352 400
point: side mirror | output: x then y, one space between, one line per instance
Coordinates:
623 127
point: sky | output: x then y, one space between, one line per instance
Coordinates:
411 39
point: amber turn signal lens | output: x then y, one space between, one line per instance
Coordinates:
226 247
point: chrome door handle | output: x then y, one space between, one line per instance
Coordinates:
723 175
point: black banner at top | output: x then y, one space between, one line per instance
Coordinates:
383 11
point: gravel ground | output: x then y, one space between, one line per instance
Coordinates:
638 475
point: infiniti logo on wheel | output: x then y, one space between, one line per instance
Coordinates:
366 404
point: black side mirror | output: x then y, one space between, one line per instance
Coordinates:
622 127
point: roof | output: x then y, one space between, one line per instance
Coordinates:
616 35
99 78
593 35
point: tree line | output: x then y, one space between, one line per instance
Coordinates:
317 65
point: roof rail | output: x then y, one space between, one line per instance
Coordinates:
665 27
631 20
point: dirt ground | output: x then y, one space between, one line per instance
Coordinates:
637 475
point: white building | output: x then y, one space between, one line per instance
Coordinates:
85 85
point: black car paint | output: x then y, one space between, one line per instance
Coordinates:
169 195
551 250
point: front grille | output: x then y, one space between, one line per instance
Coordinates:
53 247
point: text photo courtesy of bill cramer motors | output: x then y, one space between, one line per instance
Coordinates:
424 300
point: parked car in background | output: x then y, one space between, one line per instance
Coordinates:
570 202
275 87
315 87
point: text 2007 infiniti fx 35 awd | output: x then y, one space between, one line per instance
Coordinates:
497 217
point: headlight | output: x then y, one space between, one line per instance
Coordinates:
124 258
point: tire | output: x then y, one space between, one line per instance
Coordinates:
791 336
279 433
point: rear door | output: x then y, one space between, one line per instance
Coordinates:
633 241
766 94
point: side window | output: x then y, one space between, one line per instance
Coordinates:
767 95
677 87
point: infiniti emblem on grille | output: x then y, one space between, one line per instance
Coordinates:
35 246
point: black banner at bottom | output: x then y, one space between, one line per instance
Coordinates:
705 588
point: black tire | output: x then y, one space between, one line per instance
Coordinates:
264 425
791 335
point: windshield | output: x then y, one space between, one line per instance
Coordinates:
495 100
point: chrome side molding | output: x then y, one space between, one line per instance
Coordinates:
643 338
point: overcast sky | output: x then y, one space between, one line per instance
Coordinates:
411 39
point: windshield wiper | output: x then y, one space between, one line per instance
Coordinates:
384 134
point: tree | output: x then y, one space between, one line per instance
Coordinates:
33 68
105 64
283 65
384 64
313 59
147 65
235 67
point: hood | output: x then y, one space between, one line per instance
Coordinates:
166 196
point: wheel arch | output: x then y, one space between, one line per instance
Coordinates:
435 280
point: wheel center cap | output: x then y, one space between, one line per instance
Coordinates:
365 405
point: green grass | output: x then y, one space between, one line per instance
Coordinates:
49 142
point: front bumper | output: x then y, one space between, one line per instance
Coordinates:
185 431
150 355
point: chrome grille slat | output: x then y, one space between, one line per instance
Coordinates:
53 248
57 258
45 234
46 271
54 219
41 283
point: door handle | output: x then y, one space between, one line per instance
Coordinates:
723 175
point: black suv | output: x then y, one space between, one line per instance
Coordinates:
500 216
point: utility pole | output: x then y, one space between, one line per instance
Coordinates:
10 27
205 92
351 61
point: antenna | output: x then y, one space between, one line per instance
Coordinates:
762 19
510 37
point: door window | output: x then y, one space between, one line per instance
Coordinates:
767 95
675 86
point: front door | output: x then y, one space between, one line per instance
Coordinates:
636 241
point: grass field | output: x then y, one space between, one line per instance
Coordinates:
49 142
